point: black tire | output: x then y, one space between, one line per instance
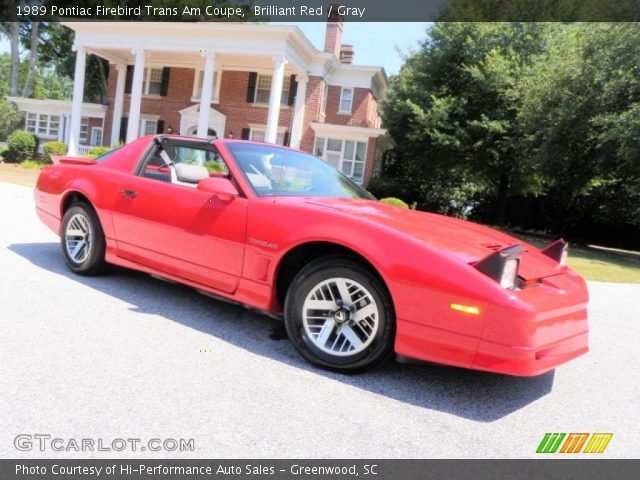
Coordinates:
308 279
92 261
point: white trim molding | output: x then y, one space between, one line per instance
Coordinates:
346 131
57 107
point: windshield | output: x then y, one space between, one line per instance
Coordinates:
272 171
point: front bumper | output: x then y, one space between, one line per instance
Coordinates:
553 329
529 361
538 329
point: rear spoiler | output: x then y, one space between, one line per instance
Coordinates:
60 159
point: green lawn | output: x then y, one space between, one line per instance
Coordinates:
596 263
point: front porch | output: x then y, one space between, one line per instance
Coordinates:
202 63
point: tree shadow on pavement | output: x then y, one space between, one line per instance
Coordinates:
479 396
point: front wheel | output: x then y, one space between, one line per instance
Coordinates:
339 316
82 239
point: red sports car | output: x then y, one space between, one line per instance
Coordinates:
282 232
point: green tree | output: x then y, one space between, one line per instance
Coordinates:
46 83
453 108
56 53
536 125
9 118
581 119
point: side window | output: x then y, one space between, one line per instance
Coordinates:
155 167
198 156
188 163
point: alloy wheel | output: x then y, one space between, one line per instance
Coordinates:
340 316
78 238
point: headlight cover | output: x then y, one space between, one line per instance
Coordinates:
510 272
503 266
558 251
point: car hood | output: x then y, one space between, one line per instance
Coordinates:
467 241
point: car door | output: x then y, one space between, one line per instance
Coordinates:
174 227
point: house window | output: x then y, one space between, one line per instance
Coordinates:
318 149
42 124
348 156
54 125
197 91
31 122
263 89
148 126
84 130
152 81
346 100
96 136
258 135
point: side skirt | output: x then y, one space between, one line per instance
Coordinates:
246 287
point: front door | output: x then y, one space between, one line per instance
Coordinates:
174 227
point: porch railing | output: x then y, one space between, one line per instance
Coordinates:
84 150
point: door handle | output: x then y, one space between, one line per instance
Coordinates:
129 193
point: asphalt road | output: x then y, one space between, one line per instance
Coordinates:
128 356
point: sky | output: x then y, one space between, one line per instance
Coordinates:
375 43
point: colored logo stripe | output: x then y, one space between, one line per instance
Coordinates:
574 442
598 442
550 443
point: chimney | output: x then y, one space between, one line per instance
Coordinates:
333 33
347 52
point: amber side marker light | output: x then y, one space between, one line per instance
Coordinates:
465 309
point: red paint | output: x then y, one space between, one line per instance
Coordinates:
233 248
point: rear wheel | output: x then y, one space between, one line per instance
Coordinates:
82 239
339 316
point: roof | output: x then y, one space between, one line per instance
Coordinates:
57 107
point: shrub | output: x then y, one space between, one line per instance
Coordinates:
384 187
394 201
98 151
21 145
33 164
214 167
54 148
3 153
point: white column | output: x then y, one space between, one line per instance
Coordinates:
206 95
76 103
67 128
274 99
61 128
133 125
118 102
298 113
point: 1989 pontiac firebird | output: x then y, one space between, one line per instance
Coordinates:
281 231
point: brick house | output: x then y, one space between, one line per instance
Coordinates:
255 81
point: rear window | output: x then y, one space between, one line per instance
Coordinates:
104 156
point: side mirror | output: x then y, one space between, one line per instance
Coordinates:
223 188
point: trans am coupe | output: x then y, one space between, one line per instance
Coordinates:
282 232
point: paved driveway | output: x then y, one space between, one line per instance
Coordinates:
128 356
